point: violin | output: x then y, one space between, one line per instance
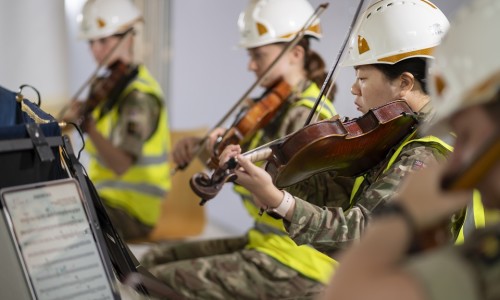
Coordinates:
252 118
105 88
349 148
102 88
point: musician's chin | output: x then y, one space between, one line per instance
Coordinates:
360 109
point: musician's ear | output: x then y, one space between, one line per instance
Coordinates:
406 83
298 53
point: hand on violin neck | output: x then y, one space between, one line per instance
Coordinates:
213 137
230 152
258 182
72 113
185 150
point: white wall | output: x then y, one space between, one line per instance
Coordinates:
33 47
208 72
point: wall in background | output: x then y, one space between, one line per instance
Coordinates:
34 48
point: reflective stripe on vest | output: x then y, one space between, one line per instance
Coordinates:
409 139
269 235
143 186
308 98
471 222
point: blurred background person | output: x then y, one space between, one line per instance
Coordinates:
125 121
466 89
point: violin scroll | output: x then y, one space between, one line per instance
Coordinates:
207 187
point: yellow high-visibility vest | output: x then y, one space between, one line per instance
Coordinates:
269 235
472 221
143 186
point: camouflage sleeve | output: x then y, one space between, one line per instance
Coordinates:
331 228
294 120
139 114
412 158
324 189
325 228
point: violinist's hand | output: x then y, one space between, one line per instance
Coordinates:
253 178
425 200
185 150
212 138
229 152
72 113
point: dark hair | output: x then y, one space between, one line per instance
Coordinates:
315 66
493 107
417 66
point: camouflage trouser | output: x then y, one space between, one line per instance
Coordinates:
128 227
224 269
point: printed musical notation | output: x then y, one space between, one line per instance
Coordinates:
56 242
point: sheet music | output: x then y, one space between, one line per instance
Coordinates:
56 243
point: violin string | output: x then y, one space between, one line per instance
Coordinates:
332 74
268 144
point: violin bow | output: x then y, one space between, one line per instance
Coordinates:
332 74
259 153
298 36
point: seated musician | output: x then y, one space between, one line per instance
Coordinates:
127 130
390 64
264 263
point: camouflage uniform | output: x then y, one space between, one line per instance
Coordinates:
138 121
229 268
329 228
224 269
138 118
468 272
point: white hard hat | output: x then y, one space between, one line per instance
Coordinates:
102 18
466 69
392 30
271 21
